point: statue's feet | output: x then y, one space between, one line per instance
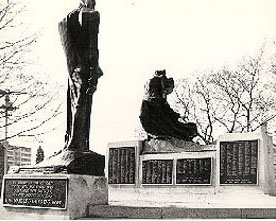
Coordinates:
159 137
70 162
77 147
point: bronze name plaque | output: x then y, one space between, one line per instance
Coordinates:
157 171
239 162
195 171
121 165
38 192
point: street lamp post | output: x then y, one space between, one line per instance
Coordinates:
7 107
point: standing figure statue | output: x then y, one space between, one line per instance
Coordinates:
79 36
157 117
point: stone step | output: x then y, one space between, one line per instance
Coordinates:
132 212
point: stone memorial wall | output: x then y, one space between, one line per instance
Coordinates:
238 165
126 166
157 171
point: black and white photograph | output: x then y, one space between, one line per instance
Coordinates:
137 109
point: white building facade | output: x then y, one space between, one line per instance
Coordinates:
18 156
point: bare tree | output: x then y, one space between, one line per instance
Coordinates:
272 58
245 101
238 99
193 100
32 103
13 44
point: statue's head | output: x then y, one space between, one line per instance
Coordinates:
87 3
168 86
159 85
160 73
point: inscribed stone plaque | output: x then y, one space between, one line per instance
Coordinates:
239 162
39 192
193 171
121 165
157 171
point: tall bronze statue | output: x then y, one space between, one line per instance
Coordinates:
157 117
79 36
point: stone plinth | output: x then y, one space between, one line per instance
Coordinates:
172 145
55 196
69 162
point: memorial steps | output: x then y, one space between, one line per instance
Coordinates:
232 199
144 212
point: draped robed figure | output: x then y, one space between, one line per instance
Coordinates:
157 117
79 36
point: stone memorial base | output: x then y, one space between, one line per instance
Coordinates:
238 172
51 196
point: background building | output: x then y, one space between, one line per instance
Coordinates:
18 156
15 156
39 155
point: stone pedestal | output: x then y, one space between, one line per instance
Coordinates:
51 196
69 162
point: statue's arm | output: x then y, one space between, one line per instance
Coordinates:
62 32
171 112
92 20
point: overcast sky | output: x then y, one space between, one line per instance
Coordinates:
139 36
